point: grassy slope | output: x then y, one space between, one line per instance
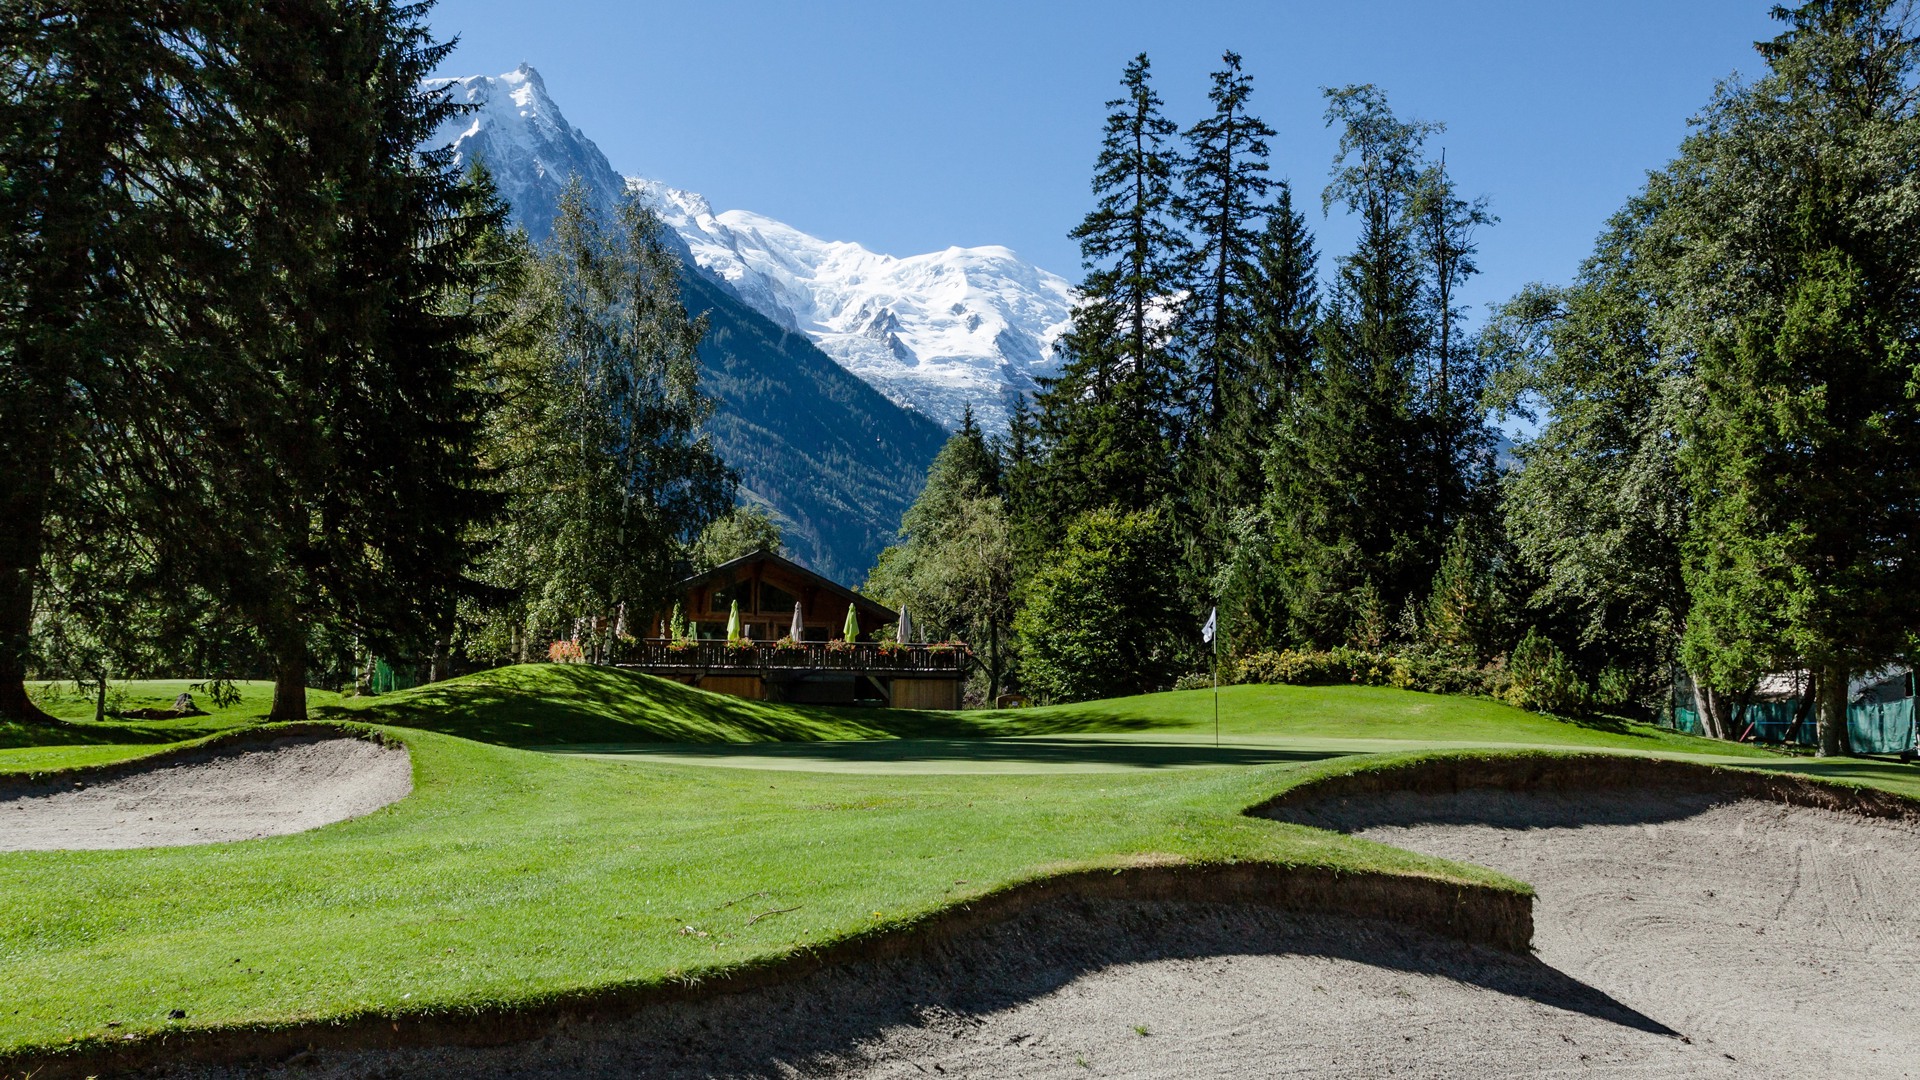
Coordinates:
558 705
510 876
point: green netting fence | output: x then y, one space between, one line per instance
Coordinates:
1873 727
386 679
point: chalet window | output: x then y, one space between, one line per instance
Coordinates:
775 600
724 597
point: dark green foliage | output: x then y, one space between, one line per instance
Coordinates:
1796 291
741 531
1224 188
607 475
1596 514
954 565
1380 457
1099 619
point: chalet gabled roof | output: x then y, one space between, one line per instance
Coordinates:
731 571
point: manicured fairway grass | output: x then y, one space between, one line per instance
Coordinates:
511 876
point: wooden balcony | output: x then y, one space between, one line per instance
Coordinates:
712 656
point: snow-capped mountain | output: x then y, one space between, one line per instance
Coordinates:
526 144
935 332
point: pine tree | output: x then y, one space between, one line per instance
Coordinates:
1224 188
1348 499
1103 427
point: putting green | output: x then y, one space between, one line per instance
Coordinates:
1029 754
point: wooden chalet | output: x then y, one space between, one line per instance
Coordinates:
820 668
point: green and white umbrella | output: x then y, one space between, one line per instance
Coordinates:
852 629
733 623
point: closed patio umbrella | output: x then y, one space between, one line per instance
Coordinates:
796 630
852 629
733 622
906 627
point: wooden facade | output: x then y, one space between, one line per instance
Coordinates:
820 667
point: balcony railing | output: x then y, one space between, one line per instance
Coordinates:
857 658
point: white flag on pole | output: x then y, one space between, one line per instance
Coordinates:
1206 632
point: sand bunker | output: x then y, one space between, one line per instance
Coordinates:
1067 989
1784 939
239 793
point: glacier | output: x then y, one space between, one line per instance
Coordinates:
936 333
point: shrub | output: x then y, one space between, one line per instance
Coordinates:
1434 672
566 652
1194 680
1543 679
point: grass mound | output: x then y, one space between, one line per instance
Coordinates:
579 704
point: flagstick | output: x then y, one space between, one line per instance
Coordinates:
1216 684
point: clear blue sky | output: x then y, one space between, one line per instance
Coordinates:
911 126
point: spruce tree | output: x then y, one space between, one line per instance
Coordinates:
1103 427
334 479
99 187
1223 196
1348 500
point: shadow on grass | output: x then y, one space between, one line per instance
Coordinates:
570 704
14 736
1500 809
1027 751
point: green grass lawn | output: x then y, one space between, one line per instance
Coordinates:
512 875
80 741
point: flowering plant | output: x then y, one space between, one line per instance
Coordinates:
566 652
891 648
685 644
838 645
787 644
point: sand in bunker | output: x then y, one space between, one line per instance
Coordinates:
1784 939
288 785
1107 988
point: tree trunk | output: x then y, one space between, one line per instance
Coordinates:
1704 704
290 681
23 507
1803 710
993 663
1833 712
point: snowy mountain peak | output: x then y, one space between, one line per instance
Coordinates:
939 332
935 332
526 143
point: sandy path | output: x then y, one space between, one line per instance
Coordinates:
1785 939
286 786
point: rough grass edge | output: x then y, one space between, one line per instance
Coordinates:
1442 772
1486 915
191 751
